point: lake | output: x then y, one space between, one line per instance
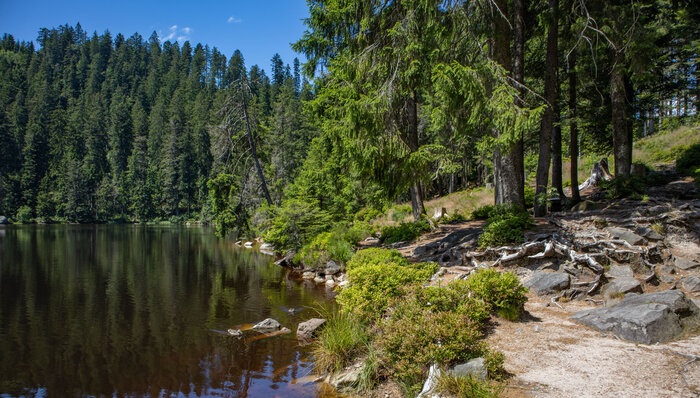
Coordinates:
131 310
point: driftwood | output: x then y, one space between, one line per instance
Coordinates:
599 173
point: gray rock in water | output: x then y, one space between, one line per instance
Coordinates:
691 284
308 329
308 275
548 282
4 220
684 263
235 332
626 235
620 271
268 325
332 268
644 318
474 367
621 286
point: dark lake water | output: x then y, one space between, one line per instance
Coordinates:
101 310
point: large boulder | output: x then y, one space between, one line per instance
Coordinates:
473 368
548 282
308 329
644 318
332 268
268 325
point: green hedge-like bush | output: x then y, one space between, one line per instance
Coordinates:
688 162
502 291
405 232
505 225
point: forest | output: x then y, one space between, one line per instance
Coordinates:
399 101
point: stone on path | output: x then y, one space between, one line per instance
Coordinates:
644 318
626 235
548 282
620 271
621 286
684 263
691 284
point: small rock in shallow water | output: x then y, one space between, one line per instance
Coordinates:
309 328
268 325
235 332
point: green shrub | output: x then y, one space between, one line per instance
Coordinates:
25 214
294 223
342 339
530 195
453 218
399 212
325 246
494 364
376 256
405 232
466 387
357 232
688 162
367 214
370 372
505 225
374 281
483 213
502 291
414 336
622 187
456 297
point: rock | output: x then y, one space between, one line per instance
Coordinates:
666 278
308 275
248 245
548 282
691 284
330 284
332 268
475 367
267 248
268 325
287 260
430 382
620 286
4 220
644 318
649 233
319 279
626 235
684 263
620 271
235 332
308 329
586 205
346 377
666 269
426 250
343 284
371 239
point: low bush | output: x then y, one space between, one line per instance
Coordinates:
688 162
324 247
376 256
357 232
405 232
342 339
453 218
399 212
367 214
294 223
483 213
502 291
622 187
25 215
466 387
506 224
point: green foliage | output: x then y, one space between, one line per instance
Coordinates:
453 218
502 291
484 212
342 339
465 387
294 223
399 212
505 225
25 215
367 214
370 372
688 162
357 232
325 246
404 232
375 278
622 187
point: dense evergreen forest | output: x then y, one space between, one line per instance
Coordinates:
405 100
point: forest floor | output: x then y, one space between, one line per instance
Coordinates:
548 355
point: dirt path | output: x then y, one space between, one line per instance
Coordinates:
551 356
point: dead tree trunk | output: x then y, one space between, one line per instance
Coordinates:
253 153
622 135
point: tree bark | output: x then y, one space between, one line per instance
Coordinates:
412 141
255 155
519 8
550 92
622 135
573 129
508 180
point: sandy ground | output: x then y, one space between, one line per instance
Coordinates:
550 356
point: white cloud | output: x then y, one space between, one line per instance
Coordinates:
174 32
233 19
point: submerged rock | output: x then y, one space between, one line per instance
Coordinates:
644 318
268 325
308 329
548 282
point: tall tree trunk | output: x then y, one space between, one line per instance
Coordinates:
550 92
253 153
573 128
519 8
508 178
556 157
416 191
622 135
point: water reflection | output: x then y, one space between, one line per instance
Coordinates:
129 310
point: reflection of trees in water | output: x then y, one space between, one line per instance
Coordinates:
128 309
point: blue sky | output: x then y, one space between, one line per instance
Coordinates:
258 28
